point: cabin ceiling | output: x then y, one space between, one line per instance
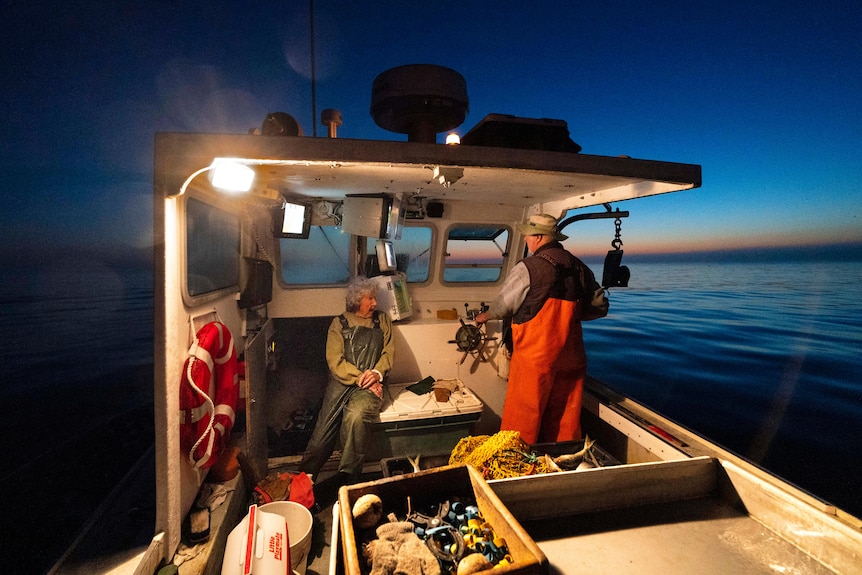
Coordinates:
332 168
482 184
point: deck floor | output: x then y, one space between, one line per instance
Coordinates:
319 557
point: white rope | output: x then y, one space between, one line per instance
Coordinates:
198 353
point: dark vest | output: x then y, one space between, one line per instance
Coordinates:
554 273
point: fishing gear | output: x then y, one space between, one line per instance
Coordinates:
614 274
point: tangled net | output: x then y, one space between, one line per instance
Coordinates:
498 456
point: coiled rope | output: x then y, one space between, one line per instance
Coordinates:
498 456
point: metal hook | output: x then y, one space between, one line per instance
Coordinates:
616 243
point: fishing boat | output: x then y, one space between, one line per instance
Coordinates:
436 224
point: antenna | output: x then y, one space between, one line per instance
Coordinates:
313 73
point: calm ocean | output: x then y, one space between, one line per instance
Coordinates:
72 321
763 358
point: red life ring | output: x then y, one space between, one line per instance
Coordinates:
208 395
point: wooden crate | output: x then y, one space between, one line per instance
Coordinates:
438 484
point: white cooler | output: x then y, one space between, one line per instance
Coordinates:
412 424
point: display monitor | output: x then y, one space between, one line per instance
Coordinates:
293 220
393 296
386 256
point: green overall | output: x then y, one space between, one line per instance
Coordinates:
348 412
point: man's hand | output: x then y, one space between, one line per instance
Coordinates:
482 318
599 298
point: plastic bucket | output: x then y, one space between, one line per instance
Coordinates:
299 522
258 544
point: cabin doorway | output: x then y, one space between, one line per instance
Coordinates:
295 383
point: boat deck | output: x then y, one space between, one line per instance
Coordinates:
671 517
325 556
699 515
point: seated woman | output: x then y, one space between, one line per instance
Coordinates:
359 353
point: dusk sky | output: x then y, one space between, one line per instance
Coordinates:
766 96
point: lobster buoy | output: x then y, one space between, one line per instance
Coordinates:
208 395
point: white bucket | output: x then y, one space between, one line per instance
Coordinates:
299 522
257 545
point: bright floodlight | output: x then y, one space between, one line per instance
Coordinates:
231 176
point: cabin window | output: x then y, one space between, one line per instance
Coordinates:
412 252
323 258
475 253
212 248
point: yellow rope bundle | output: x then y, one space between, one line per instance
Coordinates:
497 456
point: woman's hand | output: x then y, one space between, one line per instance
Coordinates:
370 380
367 378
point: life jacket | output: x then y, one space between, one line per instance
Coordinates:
208 395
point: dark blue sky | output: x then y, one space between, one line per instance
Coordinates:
764 95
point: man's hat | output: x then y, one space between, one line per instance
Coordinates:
542 225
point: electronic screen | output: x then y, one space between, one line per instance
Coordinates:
393 296
386 256
295 220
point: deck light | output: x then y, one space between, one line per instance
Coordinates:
453 138
227 174
231 176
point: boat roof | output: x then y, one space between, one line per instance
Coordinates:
330 168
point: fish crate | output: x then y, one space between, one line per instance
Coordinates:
423 490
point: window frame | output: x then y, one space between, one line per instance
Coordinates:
505 255
213 202
432 248
352 257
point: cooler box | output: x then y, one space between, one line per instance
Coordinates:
412 424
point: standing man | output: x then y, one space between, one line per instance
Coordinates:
359 353
546 295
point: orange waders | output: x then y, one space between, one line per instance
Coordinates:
546 375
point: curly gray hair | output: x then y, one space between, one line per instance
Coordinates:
357 288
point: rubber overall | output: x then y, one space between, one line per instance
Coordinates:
549 363
348 411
